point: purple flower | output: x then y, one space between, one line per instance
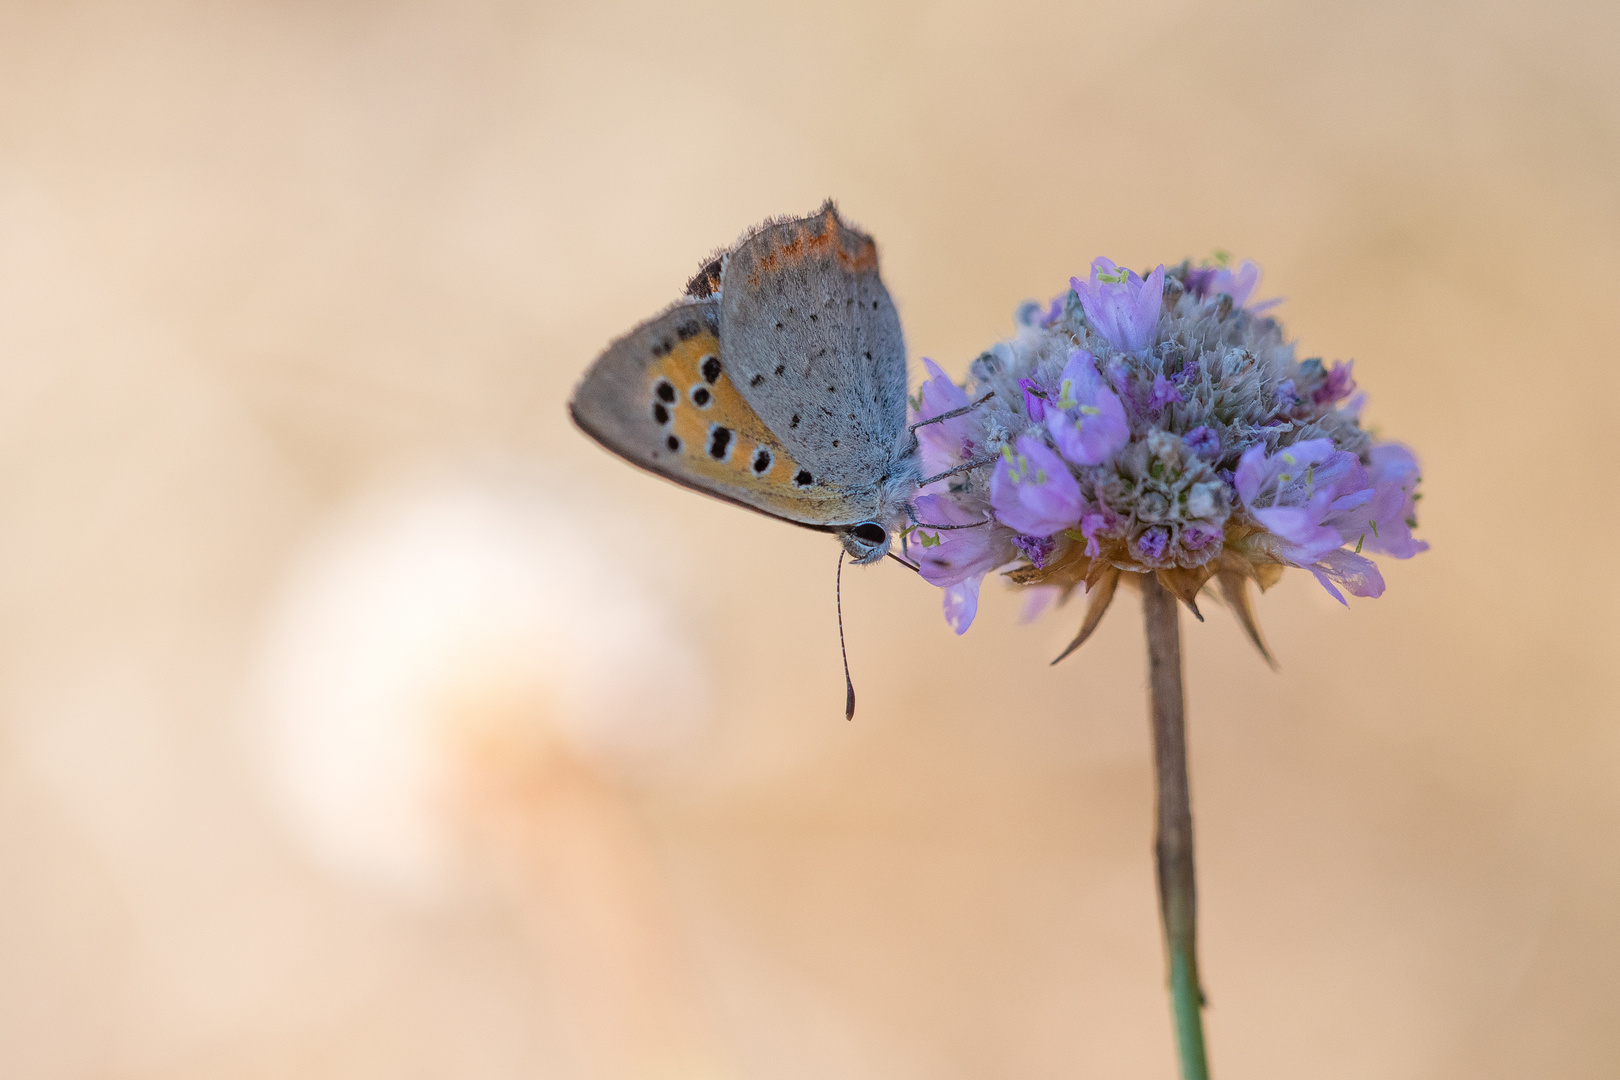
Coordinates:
1203 441
1392 510
1338 384
1090 526
1197 538
1163 393
1140 457
1037 549
1054 312
1121 306
1154 542
1238 284
946 443
1319 500
1207 281
962 603
1034 399
1037 598
1304 494
957 560
1033 491
1087 421
1198 280
1358 574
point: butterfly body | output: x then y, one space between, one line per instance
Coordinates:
777 383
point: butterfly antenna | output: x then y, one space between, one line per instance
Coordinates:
838 601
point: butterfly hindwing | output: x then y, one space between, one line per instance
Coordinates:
815 346
663 398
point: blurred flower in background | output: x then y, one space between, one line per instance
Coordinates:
454 689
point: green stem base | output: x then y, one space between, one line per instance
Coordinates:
1173 844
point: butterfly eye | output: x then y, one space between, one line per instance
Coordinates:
870 532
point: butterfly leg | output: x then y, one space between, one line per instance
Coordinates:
965 467
951 415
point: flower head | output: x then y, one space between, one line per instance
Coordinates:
1162 425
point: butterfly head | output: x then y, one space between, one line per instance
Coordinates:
866 541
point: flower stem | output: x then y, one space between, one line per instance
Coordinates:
1173 846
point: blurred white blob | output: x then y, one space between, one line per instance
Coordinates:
435 628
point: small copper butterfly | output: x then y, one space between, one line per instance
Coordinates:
777 382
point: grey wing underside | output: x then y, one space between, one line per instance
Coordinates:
814 344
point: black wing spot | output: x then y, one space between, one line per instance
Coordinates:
812 316
832 389
835 444
710 368
687 329
874 305
665 391
660 413
763 462
673 443
780 368
869 354
803 479
756 380
719 442
701 397
794 422
779 326
852 416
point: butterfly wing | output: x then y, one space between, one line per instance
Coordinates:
813 342
662 397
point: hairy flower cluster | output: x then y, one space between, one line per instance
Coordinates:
1155 425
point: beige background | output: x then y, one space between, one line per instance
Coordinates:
261 262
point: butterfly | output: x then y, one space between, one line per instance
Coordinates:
776 382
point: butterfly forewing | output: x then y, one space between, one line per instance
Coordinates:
814 345
664 397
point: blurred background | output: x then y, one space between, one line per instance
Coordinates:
360 718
